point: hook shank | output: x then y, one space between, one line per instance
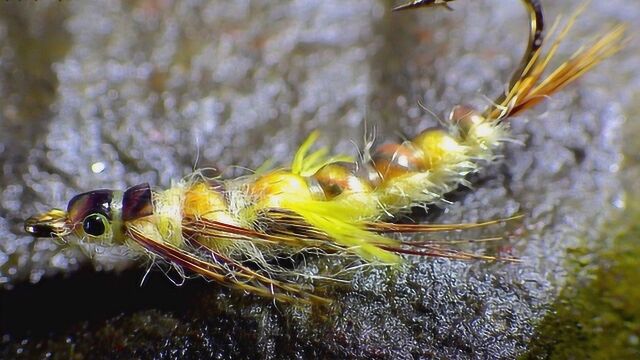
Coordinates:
536 27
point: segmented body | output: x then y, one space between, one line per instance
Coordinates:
238 231
336 198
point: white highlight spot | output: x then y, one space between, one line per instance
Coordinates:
450 145
98 167
483 130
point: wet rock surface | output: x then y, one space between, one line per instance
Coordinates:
143 90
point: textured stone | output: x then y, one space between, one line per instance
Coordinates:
147 89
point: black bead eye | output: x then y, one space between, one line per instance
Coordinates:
95 224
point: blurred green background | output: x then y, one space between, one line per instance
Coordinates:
97 94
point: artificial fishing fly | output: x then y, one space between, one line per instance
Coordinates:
238 231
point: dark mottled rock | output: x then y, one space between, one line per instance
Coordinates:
145 89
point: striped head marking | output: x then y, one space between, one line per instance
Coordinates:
95 216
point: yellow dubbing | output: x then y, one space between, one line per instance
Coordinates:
168 213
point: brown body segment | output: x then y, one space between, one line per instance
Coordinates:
337 178
394 160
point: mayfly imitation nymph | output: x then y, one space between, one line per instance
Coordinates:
244 232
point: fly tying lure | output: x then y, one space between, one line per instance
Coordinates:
238 232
